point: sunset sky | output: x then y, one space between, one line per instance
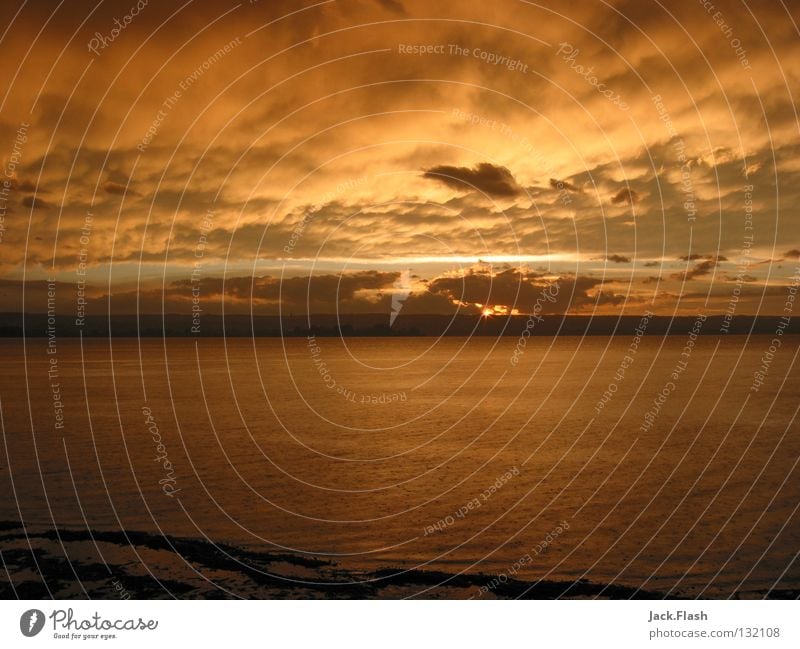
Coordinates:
643 155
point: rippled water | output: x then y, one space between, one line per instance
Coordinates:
420 452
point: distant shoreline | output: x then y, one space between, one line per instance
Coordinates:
36 325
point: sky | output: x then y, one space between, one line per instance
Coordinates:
352 156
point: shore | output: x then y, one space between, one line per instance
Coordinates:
137 565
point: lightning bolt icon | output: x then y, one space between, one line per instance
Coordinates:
32 621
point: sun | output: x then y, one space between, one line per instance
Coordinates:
488 312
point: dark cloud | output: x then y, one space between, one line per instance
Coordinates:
695 256
22 185
618 259
484 177
117 188
517 289
651 264
33 294
563 184
371 292
794 253
346 293
36 203
625 195
392 5
700 269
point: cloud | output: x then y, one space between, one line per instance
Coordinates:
36 203
794 253
564 184
256 213
118 188
516 288
485 177
700 269
371 292
651 264
348 293
626 195
392 5
695 256
618 259
22 185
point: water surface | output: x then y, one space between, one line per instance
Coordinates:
406 453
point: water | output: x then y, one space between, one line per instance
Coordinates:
438 454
